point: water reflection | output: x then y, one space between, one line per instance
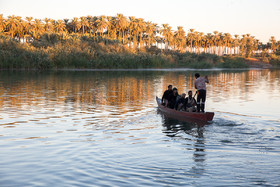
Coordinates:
191 136
123 88
123 93
116 95
199 155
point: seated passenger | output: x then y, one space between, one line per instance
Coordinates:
172 98
190 103
180 102
164 98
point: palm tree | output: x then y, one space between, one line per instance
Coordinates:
196 41
164 32
111 27
220 44
141 28
191 37
278 47
75 25
84 23
2 23
200 38
243 45
249 46
12 24
236 43
154 34
48 25
159 40
227 40
150 30
208 42
67 24
121 24
167 34
216 41
101 24
137 31
133 30
273 43
92 25
180 38
60 26
37 29
28 27
20 28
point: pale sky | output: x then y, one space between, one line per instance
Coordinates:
260 18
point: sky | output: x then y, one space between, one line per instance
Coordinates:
260 18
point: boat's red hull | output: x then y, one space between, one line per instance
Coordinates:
207 116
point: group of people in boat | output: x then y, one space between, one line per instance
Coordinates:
188 103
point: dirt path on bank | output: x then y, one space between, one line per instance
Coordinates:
256 63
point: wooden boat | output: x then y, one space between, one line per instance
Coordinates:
182 115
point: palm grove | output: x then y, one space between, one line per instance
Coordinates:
120 42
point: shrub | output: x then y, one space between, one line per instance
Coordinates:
63 50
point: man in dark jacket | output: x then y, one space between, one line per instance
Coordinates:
164 98
172 98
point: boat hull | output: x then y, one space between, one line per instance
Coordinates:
205 117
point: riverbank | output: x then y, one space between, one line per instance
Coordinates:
55 51
257 63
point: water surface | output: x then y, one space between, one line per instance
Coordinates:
103 128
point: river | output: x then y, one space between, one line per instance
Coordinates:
103 128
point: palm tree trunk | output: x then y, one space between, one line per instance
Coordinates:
191 46
123 35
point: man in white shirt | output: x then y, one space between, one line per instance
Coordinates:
200 85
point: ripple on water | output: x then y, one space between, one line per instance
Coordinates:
72 136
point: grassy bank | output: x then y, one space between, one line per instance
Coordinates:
54 51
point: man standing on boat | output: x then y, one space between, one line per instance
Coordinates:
164 98
200 85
